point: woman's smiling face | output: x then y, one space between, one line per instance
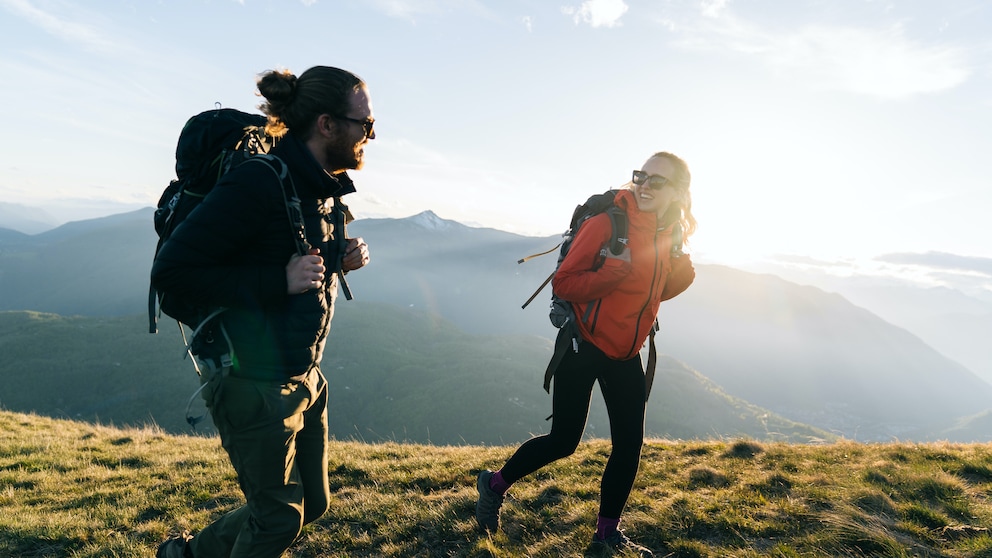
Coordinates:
657 201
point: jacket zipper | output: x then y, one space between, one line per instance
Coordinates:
654 279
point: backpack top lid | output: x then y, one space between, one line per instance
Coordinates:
596 204
207 134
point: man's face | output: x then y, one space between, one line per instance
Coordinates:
347 149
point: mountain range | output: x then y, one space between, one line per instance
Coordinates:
795 352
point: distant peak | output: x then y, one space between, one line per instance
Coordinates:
429 220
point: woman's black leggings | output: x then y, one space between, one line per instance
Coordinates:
622 384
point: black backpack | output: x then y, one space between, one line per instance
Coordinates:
210 145
561 313
596 204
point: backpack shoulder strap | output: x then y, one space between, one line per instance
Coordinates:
619 226
341 215
294 211
596 204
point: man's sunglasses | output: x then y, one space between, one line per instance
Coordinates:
655 181
367 125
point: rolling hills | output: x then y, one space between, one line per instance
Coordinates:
803 354
425 382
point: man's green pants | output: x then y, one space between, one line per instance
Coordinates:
276 436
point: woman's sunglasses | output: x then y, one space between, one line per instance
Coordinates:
655 181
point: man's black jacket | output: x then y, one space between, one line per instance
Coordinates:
232 251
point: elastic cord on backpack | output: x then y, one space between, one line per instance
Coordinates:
199 328
219 370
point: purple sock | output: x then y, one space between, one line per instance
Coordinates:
605 526
497 484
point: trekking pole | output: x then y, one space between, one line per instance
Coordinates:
539 289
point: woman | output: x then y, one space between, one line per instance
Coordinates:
625 291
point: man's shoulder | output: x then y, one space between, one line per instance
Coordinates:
255 173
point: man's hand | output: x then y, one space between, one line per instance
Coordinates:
356 254
305 272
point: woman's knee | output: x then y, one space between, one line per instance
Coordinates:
564 447
628 447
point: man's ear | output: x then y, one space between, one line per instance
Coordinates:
326 126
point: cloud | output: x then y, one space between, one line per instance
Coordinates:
402 9
528 23
882 62
712 8
410 9
941 261
598 13
73 32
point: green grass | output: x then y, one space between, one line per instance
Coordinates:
82 490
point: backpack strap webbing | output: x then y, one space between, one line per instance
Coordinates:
568 337
342 216
652 361
340 212
152 310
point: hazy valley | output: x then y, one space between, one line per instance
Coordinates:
761 356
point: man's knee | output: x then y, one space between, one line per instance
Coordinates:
282 524
314 508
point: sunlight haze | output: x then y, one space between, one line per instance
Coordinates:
835 132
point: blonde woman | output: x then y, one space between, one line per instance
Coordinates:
616 300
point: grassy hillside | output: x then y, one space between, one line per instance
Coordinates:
75 489
395 375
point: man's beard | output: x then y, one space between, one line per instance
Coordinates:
345 155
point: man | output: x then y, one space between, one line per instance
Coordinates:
238 251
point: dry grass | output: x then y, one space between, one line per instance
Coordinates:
79 490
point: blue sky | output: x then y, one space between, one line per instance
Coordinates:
838 133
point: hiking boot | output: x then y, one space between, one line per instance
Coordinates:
616 543
176 546
487 508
